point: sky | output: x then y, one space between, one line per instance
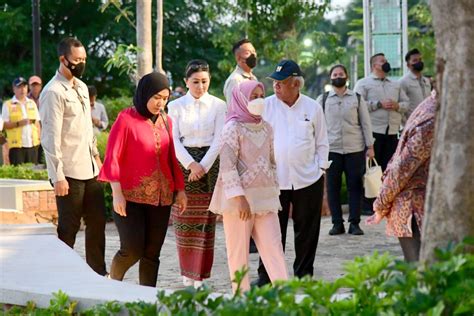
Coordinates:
337 4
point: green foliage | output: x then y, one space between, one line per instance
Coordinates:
25 171
98 31
372 285
113 106
421 35
125 60
102 139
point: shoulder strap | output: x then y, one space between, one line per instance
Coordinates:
325 97
358 106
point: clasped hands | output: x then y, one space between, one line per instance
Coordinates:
197 171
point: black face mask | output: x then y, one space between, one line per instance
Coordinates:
339 82
418 66
251 61
76 69
386 67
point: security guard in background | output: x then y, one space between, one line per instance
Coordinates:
21 122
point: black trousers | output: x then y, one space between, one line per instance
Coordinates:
142 233
306 215
352 165
21 155
85 200
384 148
411 245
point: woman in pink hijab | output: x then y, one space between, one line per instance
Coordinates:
246 192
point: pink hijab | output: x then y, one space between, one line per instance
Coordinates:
238 104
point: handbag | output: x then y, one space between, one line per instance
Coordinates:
372 178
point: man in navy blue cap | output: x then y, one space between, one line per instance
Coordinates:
21 121
301 153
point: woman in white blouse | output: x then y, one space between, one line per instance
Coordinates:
198 118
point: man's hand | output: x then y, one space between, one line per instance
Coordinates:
98 161
96 122
181 201
389 105
243 208
24 122
61 188
370 152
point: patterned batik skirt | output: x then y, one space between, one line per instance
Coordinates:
195 228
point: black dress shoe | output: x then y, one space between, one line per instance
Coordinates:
260 282
354 229
337 229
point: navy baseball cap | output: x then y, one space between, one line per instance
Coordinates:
286 68
20 81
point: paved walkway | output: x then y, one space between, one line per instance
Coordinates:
332 252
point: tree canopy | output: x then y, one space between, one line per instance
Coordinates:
193 29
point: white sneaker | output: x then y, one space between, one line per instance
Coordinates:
187 281
197 284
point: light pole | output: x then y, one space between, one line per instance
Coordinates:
36 37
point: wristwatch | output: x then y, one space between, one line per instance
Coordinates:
18 124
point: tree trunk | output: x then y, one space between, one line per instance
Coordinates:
449 205
159 36
145 55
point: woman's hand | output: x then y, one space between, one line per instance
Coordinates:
243 208
370 152
374 219
119 201
181 201
197 171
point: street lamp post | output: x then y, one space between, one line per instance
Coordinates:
36 37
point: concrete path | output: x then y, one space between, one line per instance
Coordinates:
332 252
34 263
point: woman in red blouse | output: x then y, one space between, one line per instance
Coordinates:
141 166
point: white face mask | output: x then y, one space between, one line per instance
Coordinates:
256 106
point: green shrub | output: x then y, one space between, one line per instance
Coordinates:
375 285
25 171
114 105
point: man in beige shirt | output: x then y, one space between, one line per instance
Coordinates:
416 86
71 154
386 102
246 58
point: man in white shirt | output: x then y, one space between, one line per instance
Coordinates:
71 154
246 59
301 153
99 115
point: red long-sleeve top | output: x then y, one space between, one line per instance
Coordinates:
138 156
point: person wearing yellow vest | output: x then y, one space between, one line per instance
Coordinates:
21 121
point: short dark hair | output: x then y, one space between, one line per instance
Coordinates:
237 45
410 53
375 56
64 47
92 91
196 65
338 66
